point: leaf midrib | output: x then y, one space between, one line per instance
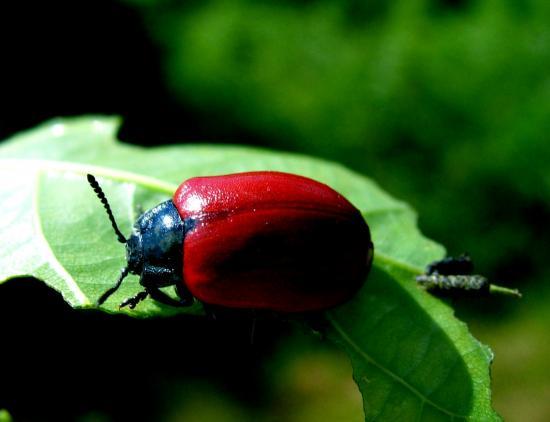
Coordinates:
83 169
168 188
128 176
369 359
157 185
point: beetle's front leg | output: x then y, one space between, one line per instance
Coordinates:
162 297
185 296
131 302
153 278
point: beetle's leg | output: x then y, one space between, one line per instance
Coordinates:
123 273
162 297
153 278
210 311
131 302
186 298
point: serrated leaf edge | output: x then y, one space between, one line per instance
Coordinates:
343 334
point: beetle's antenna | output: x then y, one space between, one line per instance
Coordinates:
113 289
99 192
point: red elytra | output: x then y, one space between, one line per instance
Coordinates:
270 240
258 240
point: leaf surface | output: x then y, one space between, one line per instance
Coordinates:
412 359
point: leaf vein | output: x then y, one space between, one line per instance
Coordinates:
51 259
83 169
385 370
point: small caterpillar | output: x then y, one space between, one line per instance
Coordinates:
455 273
448 282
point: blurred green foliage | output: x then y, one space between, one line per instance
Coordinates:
445 103
306 383
5 416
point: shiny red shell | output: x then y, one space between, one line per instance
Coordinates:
270 240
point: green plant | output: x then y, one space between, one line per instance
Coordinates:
411 358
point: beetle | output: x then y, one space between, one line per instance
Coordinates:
261 240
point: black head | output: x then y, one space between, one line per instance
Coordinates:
155 247
460 265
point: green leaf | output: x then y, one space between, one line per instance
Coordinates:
5 416
412 359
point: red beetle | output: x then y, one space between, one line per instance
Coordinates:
258 240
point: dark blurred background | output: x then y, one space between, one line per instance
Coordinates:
445 103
